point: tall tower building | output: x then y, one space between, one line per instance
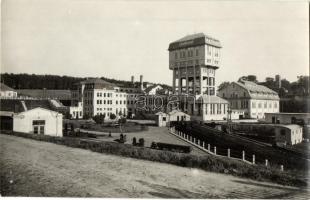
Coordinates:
194 60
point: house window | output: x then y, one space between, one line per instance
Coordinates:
164 119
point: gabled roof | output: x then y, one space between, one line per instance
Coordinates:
148 89
253 87
4 87
177 111
196 39
160 113
211 99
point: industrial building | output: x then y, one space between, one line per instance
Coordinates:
98 97
250 98
194 60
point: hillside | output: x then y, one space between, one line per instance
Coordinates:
35 168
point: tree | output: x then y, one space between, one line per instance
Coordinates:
99 119
223 84
112 116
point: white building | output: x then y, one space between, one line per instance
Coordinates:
252 99
194 60
288 134
7 92
161 119
208 108
38 121
98 97
177 115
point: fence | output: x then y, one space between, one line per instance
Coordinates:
220 152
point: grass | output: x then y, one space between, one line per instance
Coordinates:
208 163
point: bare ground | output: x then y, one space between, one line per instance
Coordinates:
34 168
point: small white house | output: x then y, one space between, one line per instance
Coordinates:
161 119
38 121
176 115
288 134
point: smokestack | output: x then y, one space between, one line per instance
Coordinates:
141 82
278 81
132 79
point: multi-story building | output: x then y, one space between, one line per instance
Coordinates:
252 99
194 60
98 97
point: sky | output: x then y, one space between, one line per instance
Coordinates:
117 39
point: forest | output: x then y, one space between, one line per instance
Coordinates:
53 82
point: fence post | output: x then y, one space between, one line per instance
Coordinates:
194 140
266 163
215 150
208 147
203 144
282 168
228 153
198 142
243 155
253 159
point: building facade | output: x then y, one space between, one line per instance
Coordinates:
98 97
193 60
250 98
38 121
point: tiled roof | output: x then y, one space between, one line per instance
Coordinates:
194 40
100 83
253 87
211 99
41 93
15 105
4 87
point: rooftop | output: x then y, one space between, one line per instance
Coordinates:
211 99
4 87
196 39
253 87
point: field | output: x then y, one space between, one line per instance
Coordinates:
34 168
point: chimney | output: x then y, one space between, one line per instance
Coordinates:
141 82
278 81
132 79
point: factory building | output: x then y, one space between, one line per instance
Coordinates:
250 98
194 60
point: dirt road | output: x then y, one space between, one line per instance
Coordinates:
34 168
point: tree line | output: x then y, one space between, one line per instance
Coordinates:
54 82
